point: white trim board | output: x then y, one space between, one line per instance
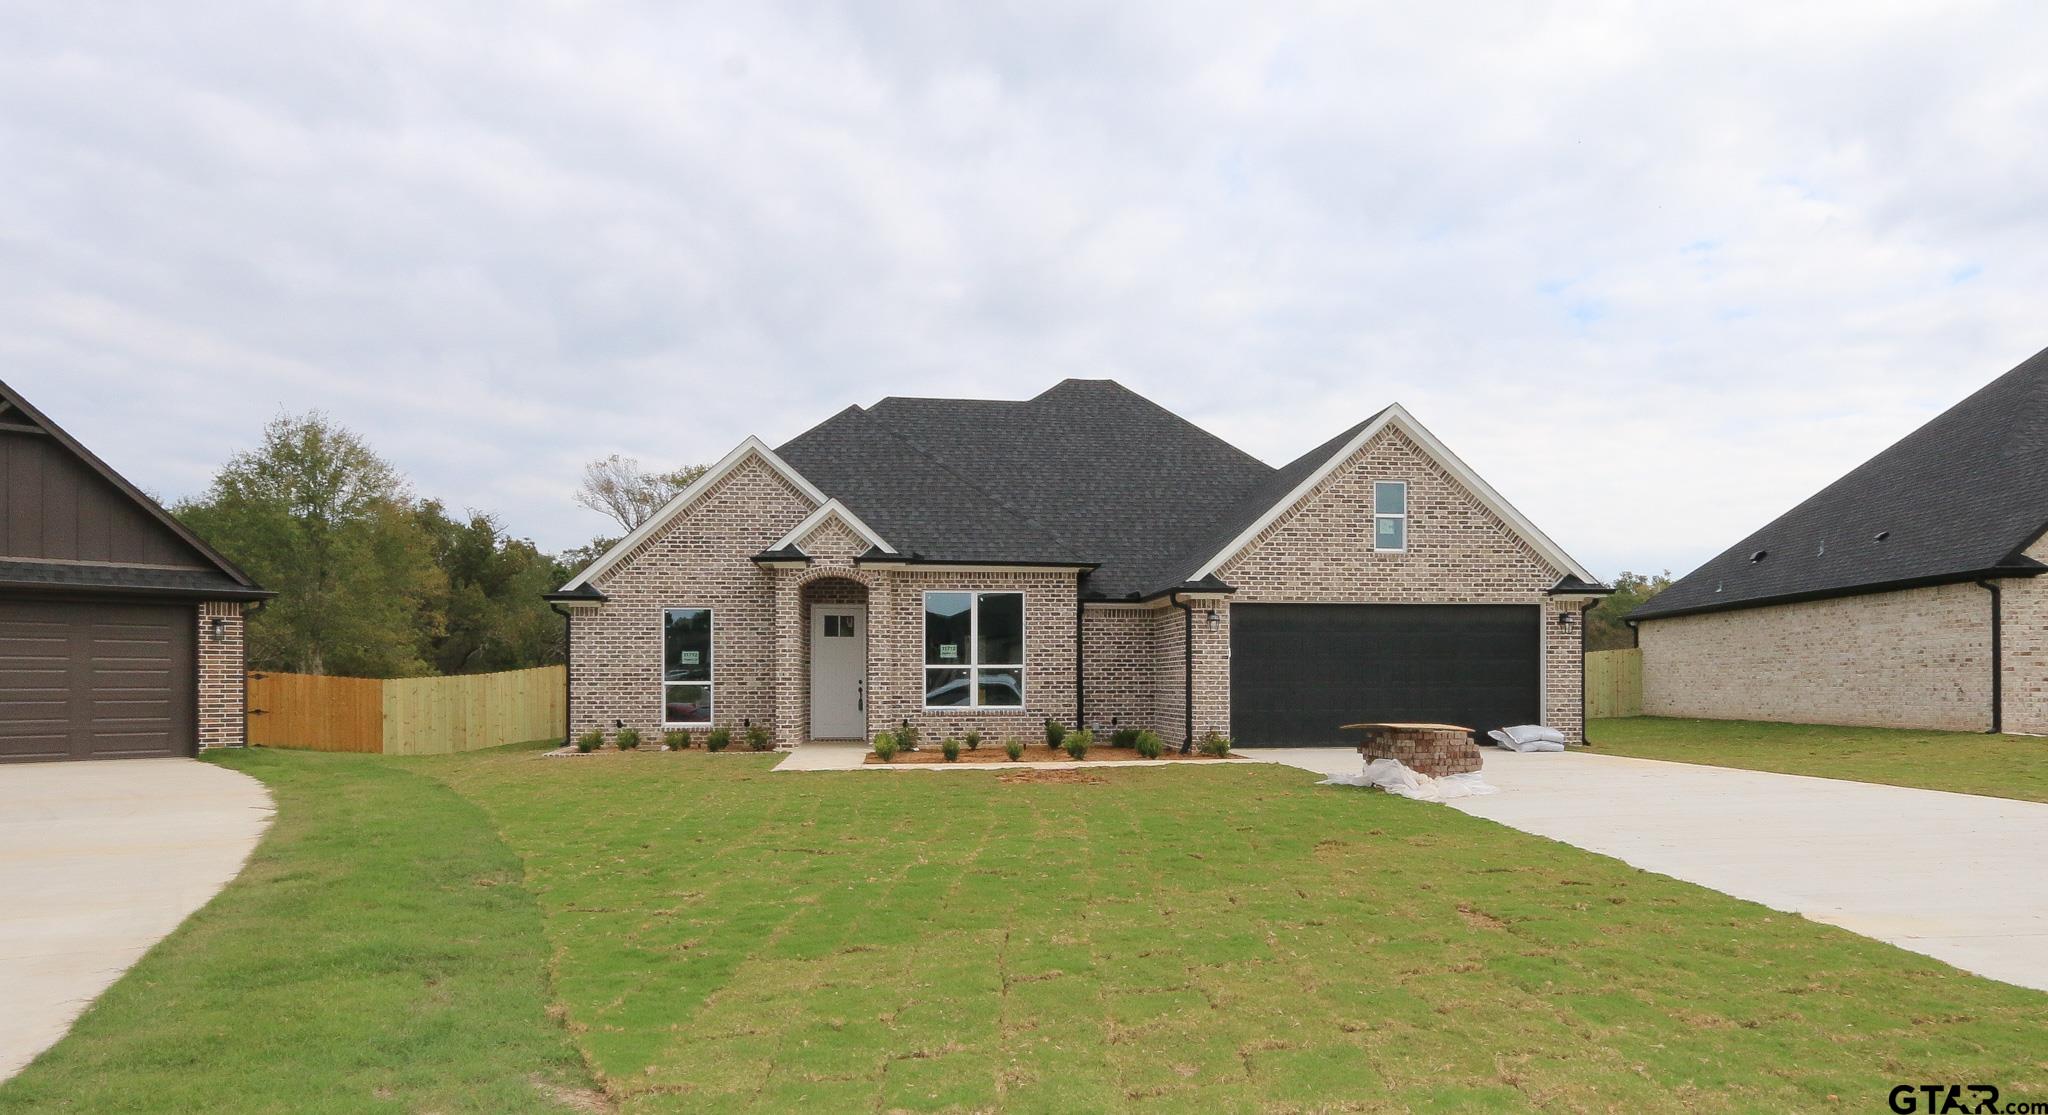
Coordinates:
1398 417
816 518
753 446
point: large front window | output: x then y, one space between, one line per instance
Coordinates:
686 666
974 650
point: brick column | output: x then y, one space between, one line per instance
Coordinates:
792 720
223 676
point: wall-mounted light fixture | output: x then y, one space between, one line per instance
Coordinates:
1214 619
218 629
1564 619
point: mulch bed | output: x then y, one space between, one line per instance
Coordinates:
1034 775
993 753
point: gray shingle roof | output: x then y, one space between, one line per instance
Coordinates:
1088 471
1955 500
49 576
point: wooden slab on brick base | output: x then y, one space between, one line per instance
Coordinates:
1432 749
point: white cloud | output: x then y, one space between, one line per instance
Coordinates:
1659 273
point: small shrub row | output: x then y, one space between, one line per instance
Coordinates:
886 745
1215 743
1148 744
677 739
1077 743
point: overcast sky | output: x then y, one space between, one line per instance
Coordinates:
1657 271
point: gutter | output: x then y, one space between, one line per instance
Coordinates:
1187 669
1997 656
1646 612
568 674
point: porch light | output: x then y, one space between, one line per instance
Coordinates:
1214 619
218 629
1564 619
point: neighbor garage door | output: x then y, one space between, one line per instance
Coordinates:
1299 671
96 680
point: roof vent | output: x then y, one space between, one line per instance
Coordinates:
1717 586
1882 535
1822 551
1758 556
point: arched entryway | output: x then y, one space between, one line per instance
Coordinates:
835 611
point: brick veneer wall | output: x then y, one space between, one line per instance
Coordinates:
1919 658
1458 552
1118 667
896 652
223 676
699 560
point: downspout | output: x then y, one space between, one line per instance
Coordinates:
1187 670
1080 664
1997 656
568 674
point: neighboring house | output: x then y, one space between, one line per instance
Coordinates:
1902 595
1085 556
120 631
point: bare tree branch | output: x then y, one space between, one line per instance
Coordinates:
618 487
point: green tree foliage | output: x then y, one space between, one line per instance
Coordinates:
1605 626
492 614
315 515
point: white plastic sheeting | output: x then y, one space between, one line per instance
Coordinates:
1394 777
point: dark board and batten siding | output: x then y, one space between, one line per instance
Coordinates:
55 508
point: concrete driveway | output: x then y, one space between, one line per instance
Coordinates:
98 861
1954 876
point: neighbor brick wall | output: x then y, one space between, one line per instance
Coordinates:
223 676
1458 552
1918 658
699 560
2025 651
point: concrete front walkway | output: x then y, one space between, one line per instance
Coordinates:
1952 876
98 861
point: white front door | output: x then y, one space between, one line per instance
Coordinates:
839 671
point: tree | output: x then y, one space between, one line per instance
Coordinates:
493 617
617 486
317 516
1606 628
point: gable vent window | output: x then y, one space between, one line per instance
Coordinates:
974 650
686 666
1390 516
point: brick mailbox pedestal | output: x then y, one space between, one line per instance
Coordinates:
1431 749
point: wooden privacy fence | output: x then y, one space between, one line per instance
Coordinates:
1614 682
407 716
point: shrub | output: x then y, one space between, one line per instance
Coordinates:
1014 749
590 741
950 749
1148 744
757 738
627 739
1124 737
973 739
1214 743
1054 732
907 737
718 739
1077 743
678 739
885 745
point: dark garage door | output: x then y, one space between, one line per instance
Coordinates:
96 680
1298 671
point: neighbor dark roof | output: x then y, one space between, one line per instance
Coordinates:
50 576
1088 472
1958 499
219 579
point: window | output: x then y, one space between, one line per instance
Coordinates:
1390 515
686 666
974 650
839 627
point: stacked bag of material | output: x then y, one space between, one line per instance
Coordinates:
1528 737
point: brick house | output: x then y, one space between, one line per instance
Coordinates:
1905 594
1085 556
120 629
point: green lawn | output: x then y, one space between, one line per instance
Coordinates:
717 937
1962 762
377 954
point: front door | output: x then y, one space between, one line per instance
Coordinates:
839 671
